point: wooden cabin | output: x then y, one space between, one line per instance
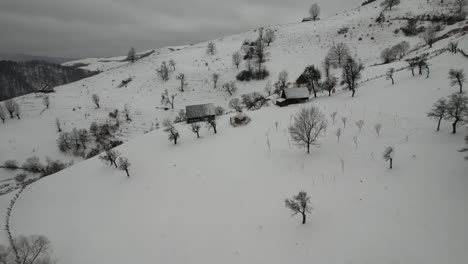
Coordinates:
200 113
293 96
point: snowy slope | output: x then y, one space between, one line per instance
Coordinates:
220 198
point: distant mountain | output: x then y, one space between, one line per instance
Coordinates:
18 57
20 78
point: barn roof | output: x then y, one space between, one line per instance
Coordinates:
296 93
202 110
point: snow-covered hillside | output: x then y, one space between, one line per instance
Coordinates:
220 198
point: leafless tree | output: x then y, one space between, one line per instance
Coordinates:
183 83
172 63
333 116
429 35
390 73
312 76
283 79
388 4
96 100
46 101
30 250
377 128
235 104
211 48
438 111
163 72
124 165
268 88
215 78
355 140
212 124
167 99
171 130
195 127
10 107
352 74
457 77
388 155
360 124
338 54
269 37
17 108
236 59
300 203
460 5
329 85
457 109
314 11
338 134
110 157
230 87
309 124
131 56
58 125
344 120
2 113
83 137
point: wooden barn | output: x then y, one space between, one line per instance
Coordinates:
293 96
301 81
199 113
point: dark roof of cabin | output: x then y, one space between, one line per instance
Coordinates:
296 93
202 110
301 80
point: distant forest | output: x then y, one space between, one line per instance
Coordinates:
20 78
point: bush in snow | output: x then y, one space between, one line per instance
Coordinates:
457 77
181 116
457 109
124 165
10 165
307 127
219 110
240 119
110 157
388 155
438 111
171 130
53 166
300 203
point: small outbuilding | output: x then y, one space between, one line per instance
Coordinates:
199 113
293 96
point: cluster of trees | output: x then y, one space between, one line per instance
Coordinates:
389 4
34 165
34 249
396 52
113 157
131 55
10 107
255 55
420 63
253 100
454 108
166 69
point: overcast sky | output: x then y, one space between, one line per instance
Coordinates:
90 28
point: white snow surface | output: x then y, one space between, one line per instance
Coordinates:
220 198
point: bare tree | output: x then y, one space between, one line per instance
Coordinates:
308 125
388 155
96 100
314 11
235 104
2 113
32 249
338 54
360 124
195 127
429 35
131 56
124 165
333 116
17 108
215 78
211 48
338 134
355 140
46 101
230 87
377 128
172 64
329 85
438 111
10 107
352 74
83 137
269 37
388 4
300 203
167 99
110 157
163 72
465 149
460 5
457 109
183 83
283 79
58 125
236 59
326 66
344 119
171 130
212 124
312 76
390 73
457 77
